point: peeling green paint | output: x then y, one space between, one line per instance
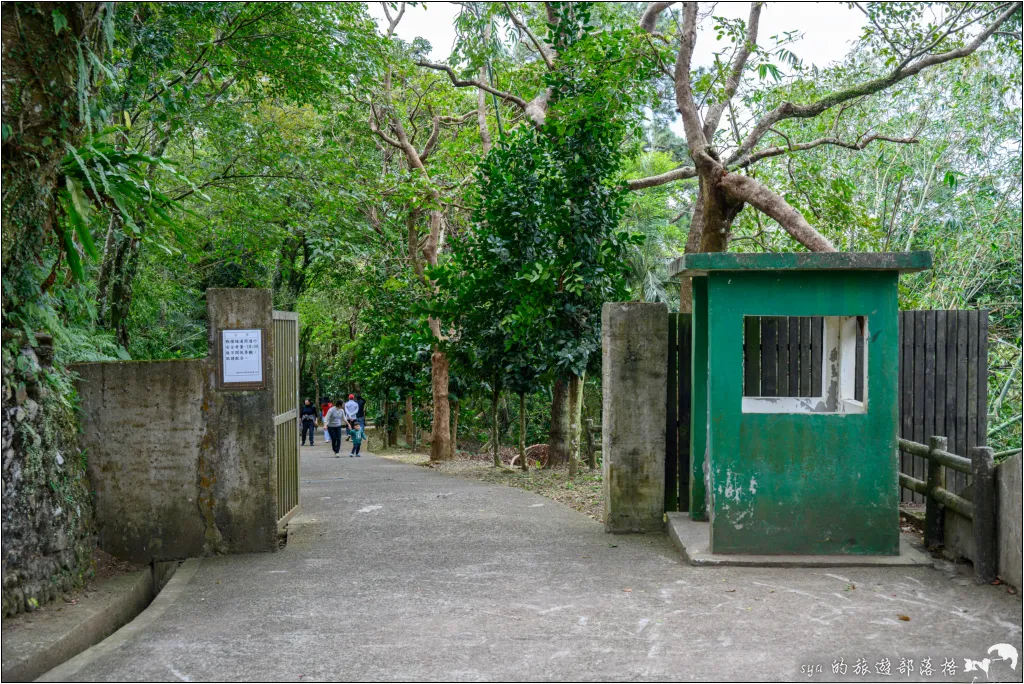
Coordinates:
796 483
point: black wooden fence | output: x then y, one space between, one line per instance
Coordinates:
943 386
942 383
677 434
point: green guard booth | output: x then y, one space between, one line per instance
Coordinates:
794 404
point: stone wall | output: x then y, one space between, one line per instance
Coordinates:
180 468
47 512
634 340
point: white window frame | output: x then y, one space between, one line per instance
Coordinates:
838 375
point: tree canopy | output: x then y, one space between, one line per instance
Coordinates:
449 229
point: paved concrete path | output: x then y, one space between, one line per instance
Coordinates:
395 572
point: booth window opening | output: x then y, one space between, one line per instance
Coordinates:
805 364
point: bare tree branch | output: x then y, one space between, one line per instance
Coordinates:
393 22
438 121
858 145
650 18
375 127
739 61
543 48
761 198
684 91
463 83
788 110
680 173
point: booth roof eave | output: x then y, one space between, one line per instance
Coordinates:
701 264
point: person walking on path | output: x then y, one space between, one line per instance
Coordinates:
335 419
361 416
351 411
324 408
358 435
308 415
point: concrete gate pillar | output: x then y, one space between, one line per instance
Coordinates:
634 342
182 463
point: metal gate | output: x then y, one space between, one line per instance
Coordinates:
286 413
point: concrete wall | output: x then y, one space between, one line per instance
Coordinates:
1011 518
179 468
958 532
635 386
142 431
240 434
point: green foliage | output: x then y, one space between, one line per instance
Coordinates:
527 283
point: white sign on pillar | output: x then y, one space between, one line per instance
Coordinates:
242 357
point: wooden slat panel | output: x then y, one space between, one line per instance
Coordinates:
982 378
920 362
929 379
940 374
672 416
751 356
794 356
782 377
858 361
817 339
951 427
685 338
972 382
769 356
805 357
962 332
907 393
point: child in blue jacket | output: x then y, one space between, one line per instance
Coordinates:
358 435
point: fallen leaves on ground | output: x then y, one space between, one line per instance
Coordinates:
583 493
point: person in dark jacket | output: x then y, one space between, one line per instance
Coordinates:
361 415
308 414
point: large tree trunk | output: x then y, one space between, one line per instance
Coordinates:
522 432
455 429
413 242
693 242
481 110
121 286
558 434
576 408
440 440
495 447
392 425
409 438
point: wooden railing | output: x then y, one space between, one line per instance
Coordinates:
982 511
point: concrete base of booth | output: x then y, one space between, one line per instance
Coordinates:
693 538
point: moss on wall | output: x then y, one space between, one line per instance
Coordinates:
46 508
